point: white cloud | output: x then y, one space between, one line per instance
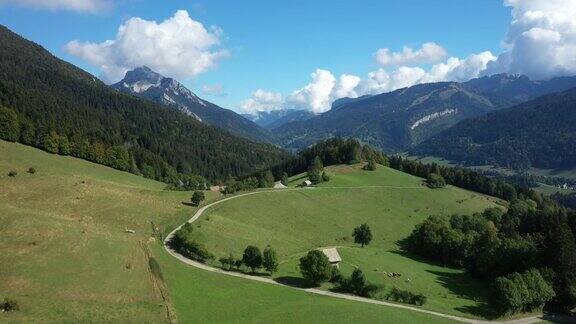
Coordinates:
178 47
262 101
89 6
346 87
540 43
429 53
325 88
316 95
216 90
453 69
541 40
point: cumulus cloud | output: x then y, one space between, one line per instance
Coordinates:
429 53
540 43
89 6
315 95
541 40
453 69
324 88
216 90
262 101
178 47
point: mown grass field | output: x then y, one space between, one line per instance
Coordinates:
66 258
391 202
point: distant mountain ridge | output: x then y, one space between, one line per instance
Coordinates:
401 119
276 118
539 133
147 84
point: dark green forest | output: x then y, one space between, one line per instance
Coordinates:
539 133
527 254
58 107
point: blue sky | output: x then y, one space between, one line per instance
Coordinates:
276 45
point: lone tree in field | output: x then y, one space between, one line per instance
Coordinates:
252 258
362 234
370 166
316 267
270 260
197 198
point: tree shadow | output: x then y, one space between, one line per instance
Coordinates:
464 286
185 203
461 284
558 318
294 282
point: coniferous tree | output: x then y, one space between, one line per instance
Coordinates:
270 260
9 127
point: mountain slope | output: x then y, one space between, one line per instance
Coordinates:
398 120
147 84
539 133
391 121
276 118
65 110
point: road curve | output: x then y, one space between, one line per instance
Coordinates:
199 265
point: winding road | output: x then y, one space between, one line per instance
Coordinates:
199 265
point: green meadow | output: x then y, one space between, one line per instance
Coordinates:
391 202
66 256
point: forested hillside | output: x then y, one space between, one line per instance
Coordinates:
540 133
58 107
399 120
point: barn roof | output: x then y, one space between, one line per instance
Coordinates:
279 185
332 254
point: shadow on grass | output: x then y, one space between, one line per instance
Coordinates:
242 271
462 284
559 318
294 282
185 203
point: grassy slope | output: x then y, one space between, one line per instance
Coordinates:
294 222
203 297
64 254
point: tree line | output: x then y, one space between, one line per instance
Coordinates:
527 254
330 152
463 178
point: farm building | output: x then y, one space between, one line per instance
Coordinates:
332 255
279 185
306 183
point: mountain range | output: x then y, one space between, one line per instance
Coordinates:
276 118
147 84
401 119
62 109
539 133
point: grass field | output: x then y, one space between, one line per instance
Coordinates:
391 202
66 258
